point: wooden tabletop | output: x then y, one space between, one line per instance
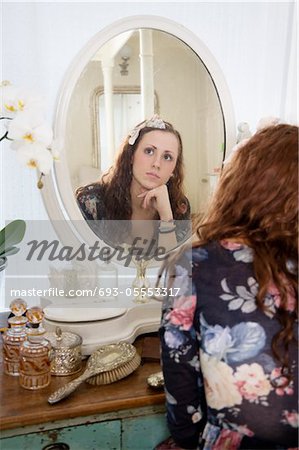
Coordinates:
21 407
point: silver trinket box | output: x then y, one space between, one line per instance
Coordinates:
66 352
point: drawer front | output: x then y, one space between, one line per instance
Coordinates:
135 433
144 433
96 436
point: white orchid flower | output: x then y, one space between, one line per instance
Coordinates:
35 156
22 122
29 128
9 104
16 100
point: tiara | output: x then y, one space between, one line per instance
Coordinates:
154 122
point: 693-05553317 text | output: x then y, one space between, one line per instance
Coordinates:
135 292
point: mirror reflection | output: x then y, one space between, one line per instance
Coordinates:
126 114
133 76
144 184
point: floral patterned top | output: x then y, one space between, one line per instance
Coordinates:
224 389
90 199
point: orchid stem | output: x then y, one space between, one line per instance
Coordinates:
4 136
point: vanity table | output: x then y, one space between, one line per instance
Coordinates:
125 415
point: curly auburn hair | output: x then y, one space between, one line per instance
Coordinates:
117 180
257 201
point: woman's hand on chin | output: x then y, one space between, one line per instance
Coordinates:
158 199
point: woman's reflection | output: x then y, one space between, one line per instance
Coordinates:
144 184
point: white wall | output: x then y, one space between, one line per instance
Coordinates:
251 42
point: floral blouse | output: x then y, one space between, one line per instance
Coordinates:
90 201
224 389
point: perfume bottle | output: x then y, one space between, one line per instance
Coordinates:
141 284
107 279
14 337
35 353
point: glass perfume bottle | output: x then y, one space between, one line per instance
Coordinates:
140 284
14 337
35 353
107 279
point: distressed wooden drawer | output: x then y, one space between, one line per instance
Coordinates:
140 433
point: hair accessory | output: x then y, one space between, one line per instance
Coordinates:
154 122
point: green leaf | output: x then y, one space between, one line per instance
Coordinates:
3 262
11 235
9 251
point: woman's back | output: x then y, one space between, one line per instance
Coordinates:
244 386
217 357
232 342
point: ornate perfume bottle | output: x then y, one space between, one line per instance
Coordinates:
14 337
35 353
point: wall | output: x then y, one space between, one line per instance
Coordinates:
254 44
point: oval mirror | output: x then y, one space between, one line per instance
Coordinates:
161 75
185 86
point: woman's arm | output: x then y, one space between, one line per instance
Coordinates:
158 199
184 389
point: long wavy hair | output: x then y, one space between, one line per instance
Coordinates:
117 180
257 201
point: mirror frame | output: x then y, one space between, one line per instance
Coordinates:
60 205
96 132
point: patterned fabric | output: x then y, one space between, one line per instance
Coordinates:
90 199
224 389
